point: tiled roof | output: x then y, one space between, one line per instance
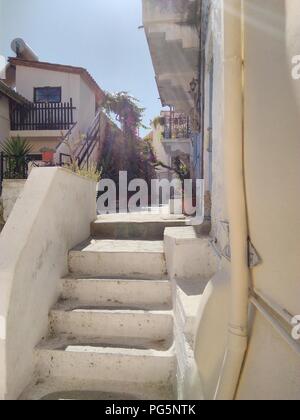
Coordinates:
62 68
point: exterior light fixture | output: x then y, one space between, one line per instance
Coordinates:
193 84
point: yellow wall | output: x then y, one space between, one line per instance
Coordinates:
272 181
272 156
272 148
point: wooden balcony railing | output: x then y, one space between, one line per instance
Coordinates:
42 116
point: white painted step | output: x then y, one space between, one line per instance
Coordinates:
71 318
133 226
118 292
67 358
58 388
119 258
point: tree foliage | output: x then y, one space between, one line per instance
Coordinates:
133 153
127 110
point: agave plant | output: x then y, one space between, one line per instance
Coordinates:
16 147
15 150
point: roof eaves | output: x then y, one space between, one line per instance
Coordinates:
11 94
63 68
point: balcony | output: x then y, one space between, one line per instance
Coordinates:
177 133
42 117
172 31
176 126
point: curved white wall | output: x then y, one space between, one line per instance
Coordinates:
52 215
272 156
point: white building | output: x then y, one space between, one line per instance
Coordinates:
8 98
171 138
63 102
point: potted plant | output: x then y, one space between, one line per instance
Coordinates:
47 154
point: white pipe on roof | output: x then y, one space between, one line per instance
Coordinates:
23 50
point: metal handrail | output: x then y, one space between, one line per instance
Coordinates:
90 141
66 136
89 144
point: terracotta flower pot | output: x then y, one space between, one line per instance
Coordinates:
48 156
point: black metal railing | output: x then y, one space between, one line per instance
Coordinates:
84 153
177 125
64 159
90 142
15 167
42 116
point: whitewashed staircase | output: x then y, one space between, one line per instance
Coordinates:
111 333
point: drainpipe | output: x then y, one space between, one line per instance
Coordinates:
236 200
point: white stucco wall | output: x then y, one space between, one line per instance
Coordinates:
215 49
73 86
160 151
28 78
4 118
34 244
158 145
11 190
87 106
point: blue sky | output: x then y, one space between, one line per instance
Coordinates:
100 35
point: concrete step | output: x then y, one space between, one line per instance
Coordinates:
118 292
59 357
117 342
142 227
79 321
58 388
119 258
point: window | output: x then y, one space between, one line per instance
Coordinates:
47 94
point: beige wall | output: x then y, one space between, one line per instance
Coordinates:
28 78
272 171
272 147
87 106
272 156
4 118
37 143
72 87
